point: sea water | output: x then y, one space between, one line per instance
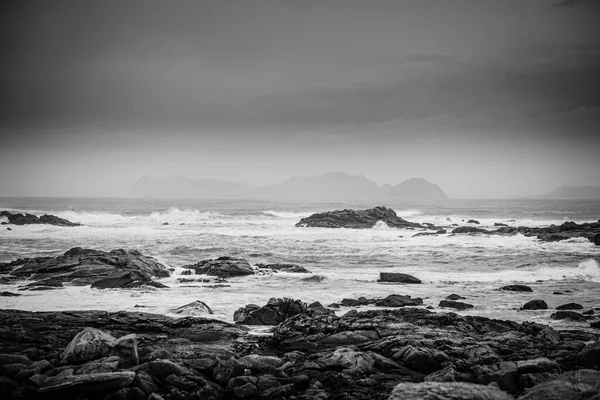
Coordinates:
344 263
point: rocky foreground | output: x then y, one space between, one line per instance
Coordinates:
406 353
30 219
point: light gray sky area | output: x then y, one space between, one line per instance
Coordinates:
485 98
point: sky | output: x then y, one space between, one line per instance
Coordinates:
485 98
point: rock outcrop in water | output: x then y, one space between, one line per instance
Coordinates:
30 219
356 219
117 268
402 353
223 267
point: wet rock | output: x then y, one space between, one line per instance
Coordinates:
350 361
397 300
455 304
9 294
499 224
85 266
575 316
447 391
589 357
129 279
28 219
273 313
224 370
195 309
223 267
76 385
535 305
356 219
473 221
421 359
517 288
261 364
570 306
469 229
569 385
454 297
283 268
397 277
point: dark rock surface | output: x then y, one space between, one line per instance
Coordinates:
517 288
193 309
407 352
455 304
535 305
469 229
29 219
223 267
272 313
563 314
393 300
283 268
117 268
356 219
570 306
397 277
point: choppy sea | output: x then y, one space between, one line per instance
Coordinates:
346 261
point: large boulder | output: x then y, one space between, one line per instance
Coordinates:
447 391
30 219
580 384
589 357
85 266
535 305
397 277
356 219
89 344
223 267
273 313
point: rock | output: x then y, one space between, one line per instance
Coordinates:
397 277
569 385
195 309
350 361
273 313
356 219
469 229
421 359
28 219
85 266
499 224
9 294
589 357
224 370
454 296
71 386
455 304
397 300
223 267
284 268
570 306
261 364
575 316
535 305
473 221
596 239
89 344
129 279
517 288
447 391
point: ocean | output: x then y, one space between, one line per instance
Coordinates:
346 261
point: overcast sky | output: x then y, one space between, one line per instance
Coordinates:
484 98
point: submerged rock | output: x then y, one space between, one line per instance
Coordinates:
469 229
535 305
356 219
397 277
284 268
570 306
563 314
455 304
30 219
517 288
223 267
80 266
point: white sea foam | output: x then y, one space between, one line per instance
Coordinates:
287 214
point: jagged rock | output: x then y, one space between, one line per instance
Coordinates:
89 344
273 313
455 304
85 266
535 305
575 316
569 385
195 309
27 219
223 267
284 268
397 277
128 279
356 219
570 306
517 288
447 391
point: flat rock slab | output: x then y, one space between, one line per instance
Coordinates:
447 391
397 277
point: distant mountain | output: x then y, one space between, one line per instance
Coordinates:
573 192
333 185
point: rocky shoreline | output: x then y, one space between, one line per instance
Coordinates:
406 353
30 219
